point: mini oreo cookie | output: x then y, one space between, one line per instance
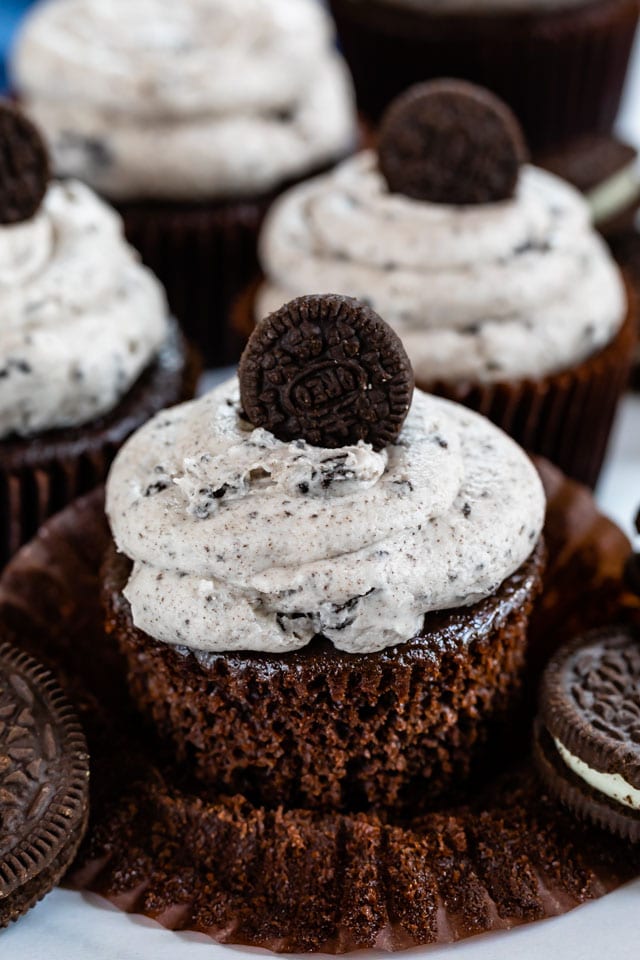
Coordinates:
44 782
448 141
587 739
328 370
24 166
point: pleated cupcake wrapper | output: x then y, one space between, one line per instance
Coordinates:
563 72
566 417
576 795
44 474
204 255
288 879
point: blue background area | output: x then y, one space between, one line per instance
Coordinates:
10 13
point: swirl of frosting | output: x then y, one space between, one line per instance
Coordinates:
240 541
81 318
185 100
506 290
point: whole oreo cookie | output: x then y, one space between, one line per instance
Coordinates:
587 742
24 166
448 141
44 780
328 370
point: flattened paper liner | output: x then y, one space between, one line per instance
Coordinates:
289 880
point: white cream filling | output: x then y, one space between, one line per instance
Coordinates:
615 194
612 785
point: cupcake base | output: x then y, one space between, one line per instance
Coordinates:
398 728
561 70
40 475
290 879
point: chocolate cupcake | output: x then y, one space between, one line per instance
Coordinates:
88 351
560 64
190 117
488 268
318 607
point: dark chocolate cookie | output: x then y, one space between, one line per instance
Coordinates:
44 782
328 370
588 731
24 166
448 141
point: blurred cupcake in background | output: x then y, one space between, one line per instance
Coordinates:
560 64
88 351
190 117
488 268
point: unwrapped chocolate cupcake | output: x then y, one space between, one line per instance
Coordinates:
88 351
321 580
191 116
488 268
561 64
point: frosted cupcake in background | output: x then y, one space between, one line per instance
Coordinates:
489 270
560 64
191 117
88 351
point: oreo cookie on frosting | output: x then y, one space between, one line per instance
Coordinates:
587 739
328 370
44 782
451 142
24 166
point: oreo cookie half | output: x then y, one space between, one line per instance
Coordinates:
44 783
24 166
587 739
448 141
328 370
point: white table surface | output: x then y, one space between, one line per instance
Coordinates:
73 926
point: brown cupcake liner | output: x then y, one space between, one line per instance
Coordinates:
565 417
205 254
399 727
562 71
42 474
290 879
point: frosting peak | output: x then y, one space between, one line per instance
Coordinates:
242 541
81 318
504 290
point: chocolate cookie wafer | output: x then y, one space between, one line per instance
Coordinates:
447 141
24 166
587 739
328 370
44 783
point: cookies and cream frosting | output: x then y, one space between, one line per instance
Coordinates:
240 541
185 100
81 317
520 288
